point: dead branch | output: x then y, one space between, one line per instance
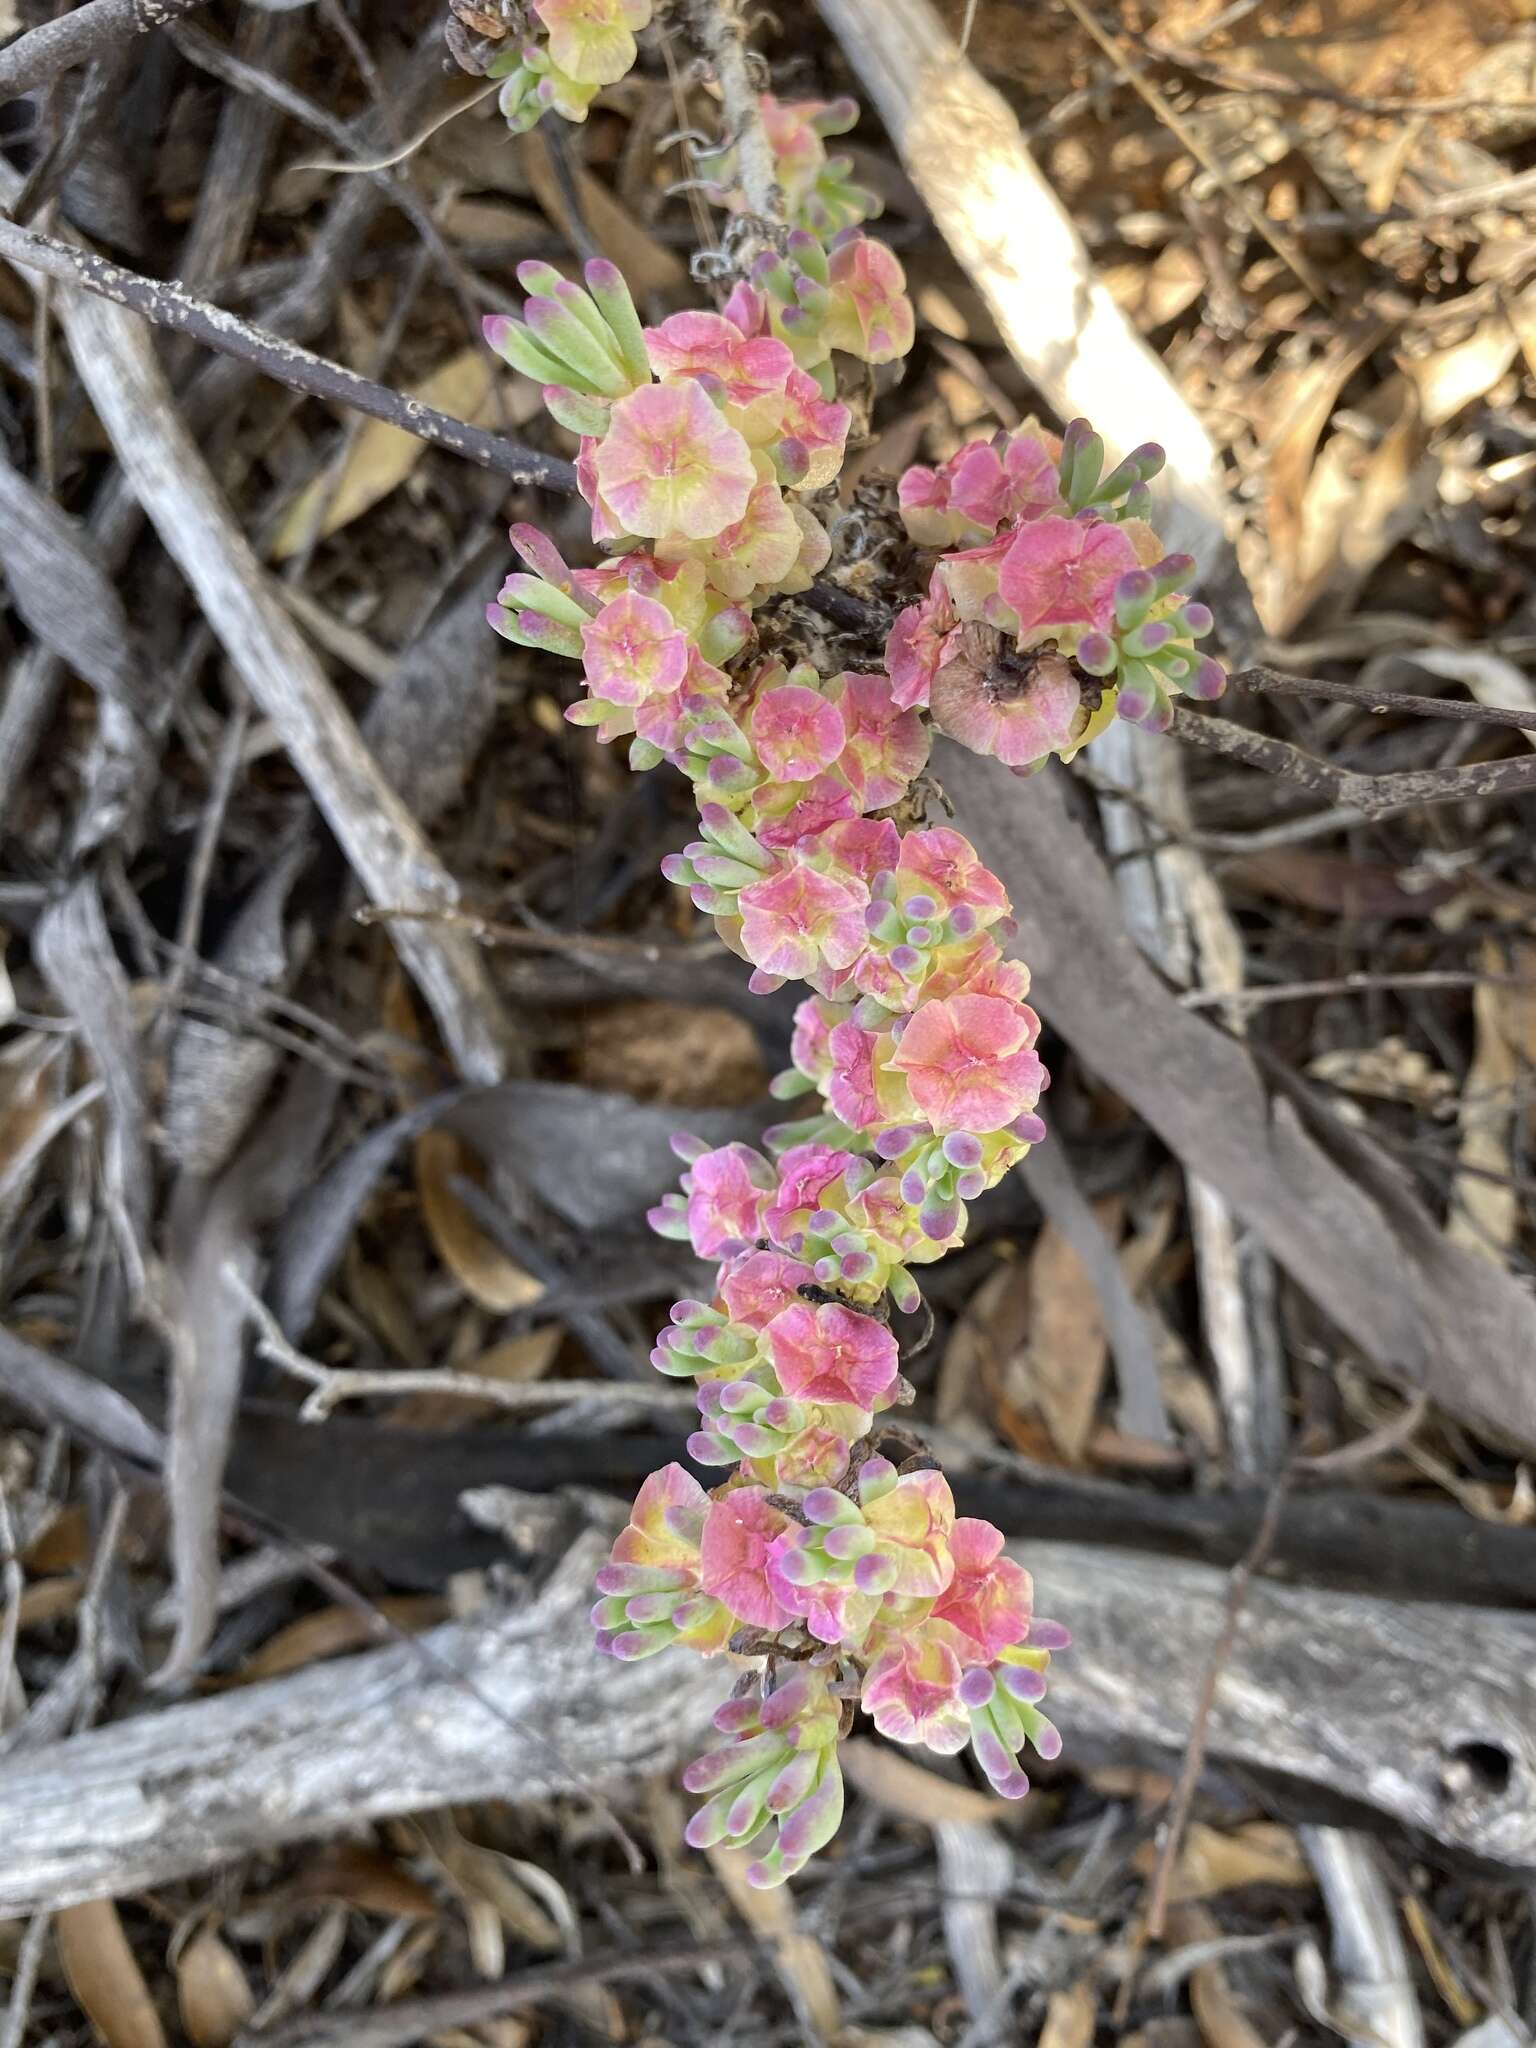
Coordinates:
1271 682
1325 1689
1376 796
91 31
1344 1224
170 306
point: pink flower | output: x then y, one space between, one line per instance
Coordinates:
758 551
818 426
943 863
712 346
739 1531
1017 708
817 1457
810 1048
664 1526
797 732
990 1597
1063 572
669 464
832 1613
728 1195
805 1174
864 847
816 808
832 1355
1030 480
796 920
969 1064
887 747
871 315
913 1521
912 1694
851 1087
756 1286
593 40
633 650
650 1584
970 577
917 645
923 495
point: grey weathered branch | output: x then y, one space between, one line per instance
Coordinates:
171 306
79 37
1375 796
1345 1225
1327 1689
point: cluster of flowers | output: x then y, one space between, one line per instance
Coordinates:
565 53
845 1577
1054 608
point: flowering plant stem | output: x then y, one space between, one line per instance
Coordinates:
830 1563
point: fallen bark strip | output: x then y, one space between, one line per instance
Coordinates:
1327 1690
1343 1224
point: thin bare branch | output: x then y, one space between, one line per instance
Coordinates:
78 38
1377 796
168 305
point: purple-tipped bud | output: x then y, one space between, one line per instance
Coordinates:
962 921
1197 619
961 1148
977 1687
874 1574
1209 680
1097 653
1022 1683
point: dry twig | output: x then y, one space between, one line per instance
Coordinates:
168 305
88 32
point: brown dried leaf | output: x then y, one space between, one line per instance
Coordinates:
382 457
1343 887
104 1977
374 1883
648 265
1068 1349
1069 2018
985 1337
336 1630
1450 379
1485 1207
914 1792
798 1957
1223 2023
1215 1860
481 1268
1155 293
212 1991
697 1057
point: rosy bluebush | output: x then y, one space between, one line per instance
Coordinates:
1054 607
567 52
832 1575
